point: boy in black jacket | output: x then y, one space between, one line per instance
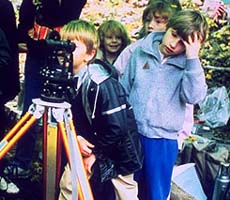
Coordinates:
104 120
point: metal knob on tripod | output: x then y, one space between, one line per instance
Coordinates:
222 182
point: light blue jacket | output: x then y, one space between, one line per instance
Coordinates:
159 91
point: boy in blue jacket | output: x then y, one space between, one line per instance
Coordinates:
163 74
104 120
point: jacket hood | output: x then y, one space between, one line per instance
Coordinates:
100 71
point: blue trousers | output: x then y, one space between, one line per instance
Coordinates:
154 179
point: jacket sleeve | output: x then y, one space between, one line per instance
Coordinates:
8 25
4 51
194 87
5 59
26 19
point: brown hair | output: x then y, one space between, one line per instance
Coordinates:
112 26
186 22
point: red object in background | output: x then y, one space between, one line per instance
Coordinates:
41 32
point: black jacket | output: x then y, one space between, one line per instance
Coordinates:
5 60
9 80
103 116
48 13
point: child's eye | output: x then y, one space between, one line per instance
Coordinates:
174 34
148 20
160 22
108 37
181 43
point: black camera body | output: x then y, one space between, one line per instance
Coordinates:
57 72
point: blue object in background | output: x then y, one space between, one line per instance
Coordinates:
187 179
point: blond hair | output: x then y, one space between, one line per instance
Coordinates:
83 31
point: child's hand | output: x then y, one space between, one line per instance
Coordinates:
219 12
193 45
88 163
215 9
85 146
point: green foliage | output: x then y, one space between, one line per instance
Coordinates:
215 56
216 50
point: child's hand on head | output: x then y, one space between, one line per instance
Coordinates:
193 45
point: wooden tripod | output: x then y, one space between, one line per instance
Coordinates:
62 129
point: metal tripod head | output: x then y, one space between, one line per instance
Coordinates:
57 72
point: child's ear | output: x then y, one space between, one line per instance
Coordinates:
90 55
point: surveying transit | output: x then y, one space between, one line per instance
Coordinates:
58 127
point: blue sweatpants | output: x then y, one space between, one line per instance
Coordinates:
155 177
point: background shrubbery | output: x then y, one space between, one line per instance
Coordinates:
215 54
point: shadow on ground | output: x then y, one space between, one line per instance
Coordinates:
29 189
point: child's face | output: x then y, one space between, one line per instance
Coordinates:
80 56
155 23
112 43
172 43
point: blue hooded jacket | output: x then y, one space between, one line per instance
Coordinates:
159 91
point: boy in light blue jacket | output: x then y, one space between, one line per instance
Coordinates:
162 75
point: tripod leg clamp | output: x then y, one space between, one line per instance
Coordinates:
37 110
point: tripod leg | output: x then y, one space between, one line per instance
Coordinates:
6 145
34 113
64 139
67 150
66 127
82 176
17 126
50 163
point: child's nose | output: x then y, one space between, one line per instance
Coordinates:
114 38
151 25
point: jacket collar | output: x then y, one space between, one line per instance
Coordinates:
150 45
